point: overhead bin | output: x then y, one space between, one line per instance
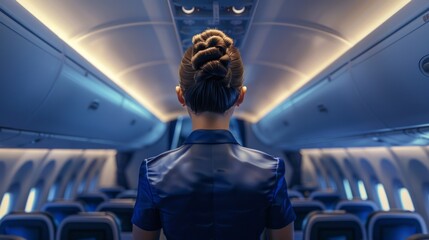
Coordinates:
330 109
391 82
28 71
78 105
48 96
367 102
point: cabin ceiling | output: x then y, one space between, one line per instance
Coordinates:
285 45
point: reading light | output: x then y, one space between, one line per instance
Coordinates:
238 10
188 10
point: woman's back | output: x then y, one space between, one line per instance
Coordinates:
213 188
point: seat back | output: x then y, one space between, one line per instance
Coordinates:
393 225
62 209
10 237
93 225
31 226
128 194
294 194
419 236
302 207
328 198
333 225
122 209
91 201
361 208
111 192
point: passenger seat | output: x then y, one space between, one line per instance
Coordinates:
30 226
128 194
294 194
91 201
93 225
123 210
303 207
333 225
361 208
62 209
394 225
328 198
10 237
111 192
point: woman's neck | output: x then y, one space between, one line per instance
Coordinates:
208 120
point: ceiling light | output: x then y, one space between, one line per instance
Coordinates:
188 10
238 10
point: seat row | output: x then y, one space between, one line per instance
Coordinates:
363 217
41 226
112 220
328 198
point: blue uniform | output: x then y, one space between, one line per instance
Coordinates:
212 188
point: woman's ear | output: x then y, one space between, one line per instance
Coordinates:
241 97
180 96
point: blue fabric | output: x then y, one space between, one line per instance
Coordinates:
212 188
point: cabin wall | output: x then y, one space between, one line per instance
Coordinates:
45 175
133 168
253 142
395 168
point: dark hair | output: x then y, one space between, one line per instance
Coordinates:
211 73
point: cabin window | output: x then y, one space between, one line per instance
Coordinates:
81 186
69 188
405 199
31 200
83 183
332 184
53 192
347 189
94 181
382 197
5 204
34 196
362 190
320 178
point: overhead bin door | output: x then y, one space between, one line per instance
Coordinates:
80 105
391 82
28 70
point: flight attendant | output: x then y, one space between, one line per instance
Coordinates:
211 187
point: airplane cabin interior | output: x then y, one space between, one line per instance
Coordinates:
338 89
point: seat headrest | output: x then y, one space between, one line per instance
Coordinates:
328 198
111 192
91 200
395 224
419 236
122 209
360 208
294 194
93 225
31 226
333 225
10 237
128 194
61 209
302 207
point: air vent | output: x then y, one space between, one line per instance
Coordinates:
424 65
94 105
192 17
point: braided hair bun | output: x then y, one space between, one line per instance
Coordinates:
211 56
211 72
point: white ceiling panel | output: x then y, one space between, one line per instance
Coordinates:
135 43
262 89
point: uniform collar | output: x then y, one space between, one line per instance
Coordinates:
205 136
